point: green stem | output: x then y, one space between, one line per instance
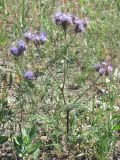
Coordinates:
64 79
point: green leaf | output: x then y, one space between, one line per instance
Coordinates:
18 140
32 132
30 84
33 147
36 154
82 2
118 4
116 127
25 132
3 139
26 140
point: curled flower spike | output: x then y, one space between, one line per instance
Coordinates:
29 75
43 37
97 67
66 19
85 23
109 70
63 19
102 71
18 49
40 38
36 39
80 25
21 46
104 68
14 51
28 36
58 18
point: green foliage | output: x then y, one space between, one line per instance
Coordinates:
3 139
5 111
25 144
116 127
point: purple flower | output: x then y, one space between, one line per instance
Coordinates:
67 19
104 68
85 23
102 71
28 36
97 67
63 19
74 19
40 38
36 39
14 51
17 51
21 46
109 70
80 25
58 18
43 37
29 75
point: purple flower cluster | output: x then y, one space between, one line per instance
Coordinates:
21 46
80 25
104 68
66 19
63 19
38 38
19 49
29 75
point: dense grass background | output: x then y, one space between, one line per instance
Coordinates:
94 117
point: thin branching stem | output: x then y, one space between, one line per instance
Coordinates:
82 94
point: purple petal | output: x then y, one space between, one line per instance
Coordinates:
29 75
